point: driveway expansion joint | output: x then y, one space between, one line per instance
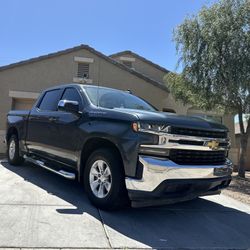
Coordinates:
104 228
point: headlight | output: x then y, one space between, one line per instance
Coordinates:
149 127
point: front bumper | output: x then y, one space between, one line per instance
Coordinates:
164 181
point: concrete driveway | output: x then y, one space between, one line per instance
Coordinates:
41 209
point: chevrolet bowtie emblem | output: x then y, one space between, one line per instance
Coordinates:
213 144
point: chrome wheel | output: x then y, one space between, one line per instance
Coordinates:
100 178
12 149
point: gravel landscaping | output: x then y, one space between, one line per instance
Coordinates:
239 188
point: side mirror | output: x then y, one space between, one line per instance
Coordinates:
68 106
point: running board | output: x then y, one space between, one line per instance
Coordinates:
63 173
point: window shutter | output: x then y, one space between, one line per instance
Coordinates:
83 70
127 63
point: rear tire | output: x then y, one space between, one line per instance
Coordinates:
104 180
14 157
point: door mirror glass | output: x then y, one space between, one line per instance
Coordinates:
68 106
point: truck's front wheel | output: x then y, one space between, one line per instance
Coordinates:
13 154
104 180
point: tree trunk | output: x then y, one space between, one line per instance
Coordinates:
243 145
243 153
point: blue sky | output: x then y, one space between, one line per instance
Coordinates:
31 28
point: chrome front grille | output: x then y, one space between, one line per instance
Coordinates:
190 146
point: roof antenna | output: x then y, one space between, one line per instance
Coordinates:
129 91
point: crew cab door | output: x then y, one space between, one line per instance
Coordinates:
40 131
54 134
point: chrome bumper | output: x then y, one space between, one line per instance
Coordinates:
156 170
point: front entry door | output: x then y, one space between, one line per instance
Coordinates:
67 134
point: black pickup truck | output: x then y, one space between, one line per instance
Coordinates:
120 147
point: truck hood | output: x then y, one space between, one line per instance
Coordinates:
173 119
155 117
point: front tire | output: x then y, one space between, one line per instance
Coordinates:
104 180
14 157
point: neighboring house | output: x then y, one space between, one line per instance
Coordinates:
237 142
21 83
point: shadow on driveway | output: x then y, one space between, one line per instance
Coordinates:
194 224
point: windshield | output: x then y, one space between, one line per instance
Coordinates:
111 98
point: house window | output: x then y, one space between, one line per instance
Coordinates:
127 63
83 70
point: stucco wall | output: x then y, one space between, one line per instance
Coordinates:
37 76
143 67
157 74
34 77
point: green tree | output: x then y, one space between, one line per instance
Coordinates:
214 54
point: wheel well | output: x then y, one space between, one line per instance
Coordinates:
93 144
11 131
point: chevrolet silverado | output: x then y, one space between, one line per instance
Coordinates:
120 147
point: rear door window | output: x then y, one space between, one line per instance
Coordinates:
50 100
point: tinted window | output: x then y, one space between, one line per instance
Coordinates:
50 100
71 94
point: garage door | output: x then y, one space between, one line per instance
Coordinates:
22 103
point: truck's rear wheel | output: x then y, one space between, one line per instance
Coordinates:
13 154
104 180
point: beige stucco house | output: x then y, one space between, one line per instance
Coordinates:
21 83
